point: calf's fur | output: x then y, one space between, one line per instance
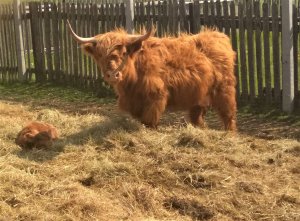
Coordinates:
36 135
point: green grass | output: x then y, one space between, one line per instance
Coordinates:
269 112
39 92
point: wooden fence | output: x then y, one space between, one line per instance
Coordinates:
51 54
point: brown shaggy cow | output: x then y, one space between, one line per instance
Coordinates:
149 74
36 135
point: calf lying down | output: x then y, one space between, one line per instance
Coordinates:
36 135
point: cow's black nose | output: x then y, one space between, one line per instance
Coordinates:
117 74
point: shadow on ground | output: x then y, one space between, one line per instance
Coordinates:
251 124
97 133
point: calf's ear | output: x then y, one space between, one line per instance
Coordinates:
28 137
135 43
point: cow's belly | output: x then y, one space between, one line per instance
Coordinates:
186 98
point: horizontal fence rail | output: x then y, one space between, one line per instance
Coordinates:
51 55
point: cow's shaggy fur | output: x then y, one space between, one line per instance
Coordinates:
189 72
36 135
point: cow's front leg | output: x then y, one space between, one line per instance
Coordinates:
154 100
152 113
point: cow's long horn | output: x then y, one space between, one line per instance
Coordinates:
145 36
81 40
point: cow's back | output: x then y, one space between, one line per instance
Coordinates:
187 72
217 47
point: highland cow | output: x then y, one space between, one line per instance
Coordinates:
150 74
36 135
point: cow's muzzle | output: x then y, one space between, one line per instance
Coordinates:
116 75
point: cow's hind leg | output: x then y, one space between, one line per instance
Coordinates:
197 114
225 103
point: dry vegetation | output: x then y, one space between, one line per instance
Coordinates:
107 166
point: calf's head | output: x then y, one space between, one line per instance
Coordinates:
111 51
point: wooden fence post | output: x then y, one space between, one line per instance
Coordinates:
19 41
288 92
129 13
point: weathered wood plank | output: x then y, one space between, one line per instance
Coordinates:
218 15
112 16
266 31
206 19
212 17
60 75
258 55
184 26
48 33
19 43
117 12
68 47
170 16
3 45
27 48
80 27
85 34
175 17
276 56
123 15
36 45
136 15
55 32
102 18
15 47
190 18
160 19
142 16
296 50
2 53
249 29
165 18
41 42
95 31
196 17
148 17
74 46
226 22
10 44
107 17
89 33
235 47
154 15
243 62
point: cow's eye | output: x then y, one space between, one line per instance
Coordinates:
113 57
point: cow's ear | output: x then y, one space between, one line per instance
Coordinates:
135 43
133 47
89 48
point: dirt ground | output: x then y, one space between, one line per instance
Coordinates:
107 166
